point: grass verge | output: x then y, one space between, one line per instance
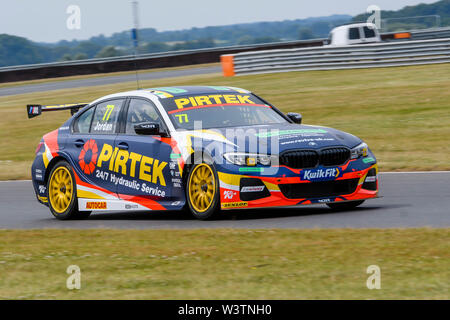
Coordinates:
402 113
225 264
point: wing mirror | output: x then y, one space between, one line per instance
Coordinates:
295 117
149 129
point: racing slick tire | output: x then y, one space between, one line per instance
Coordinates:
202 191
62 193
342 206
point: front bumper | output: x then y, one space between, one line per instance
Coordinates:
354 181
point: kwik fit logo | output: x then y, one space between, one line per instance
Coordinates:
320 174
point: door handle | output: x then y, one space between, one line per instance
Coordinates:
123 146
79 143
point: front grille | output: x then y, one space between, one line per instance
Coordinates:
334 156
301 159
319 189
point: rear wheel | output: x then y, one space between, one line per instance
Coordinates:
62 192
202 191
341 206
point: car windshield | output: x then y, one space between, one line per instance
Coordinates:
219 111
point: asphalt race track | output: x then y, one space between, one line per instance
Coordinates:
88 82
420 199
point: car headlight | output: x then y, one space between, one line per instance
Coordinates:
249 159
360 150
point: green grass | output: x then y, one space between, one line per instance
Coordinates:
225 264
402 113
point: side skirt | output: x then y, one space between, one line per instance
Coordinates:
108 205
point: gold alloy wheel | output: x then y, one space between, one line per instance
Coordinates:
202 187
60 189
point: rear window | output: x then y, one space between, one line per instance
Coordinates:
83 122
369 33
354 34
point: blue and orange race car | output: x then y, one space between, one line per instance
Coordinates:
201 149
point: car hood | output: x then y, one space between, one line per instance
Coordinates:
274 139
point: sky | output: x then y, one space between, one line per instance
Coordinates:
47 20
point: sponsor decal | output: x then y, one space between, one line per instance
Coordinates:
253 189
88 157
131 206
212 100
288 132
371 179
229 194
368 160
234 204
311 141
173 90
126 163
93 205
244 169
42 189
320 174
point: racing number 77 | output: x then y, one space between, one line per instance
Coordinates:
109 110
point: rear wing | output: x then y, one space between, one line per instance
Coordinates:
34 110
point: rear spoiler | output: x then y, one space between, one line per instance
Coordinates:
34 110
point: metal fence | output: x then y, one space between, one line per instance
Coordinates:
174 59
405 53
143 61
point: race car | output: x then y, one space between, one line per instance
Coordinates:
202 149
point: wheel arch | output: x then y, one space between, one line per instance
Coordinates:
51 165
191 161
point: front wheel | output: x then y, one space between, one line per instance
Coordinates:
342 206
62 193
202 191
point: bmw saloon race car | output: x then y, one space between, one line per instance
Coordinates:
202 149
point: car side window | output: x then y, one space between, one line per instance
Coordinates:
106 116
83 122
354 33
369 33
140 111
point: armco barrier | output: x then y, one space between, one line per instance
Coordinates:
404 53
175 59
147 61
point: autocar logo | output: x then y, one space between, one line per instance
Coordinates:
88 157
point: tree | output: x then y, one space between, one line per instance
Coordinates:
108 51
80 56
154 47
305 34
66 57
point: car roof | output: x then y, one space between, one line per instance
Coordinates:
354 25
171 92
193 90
